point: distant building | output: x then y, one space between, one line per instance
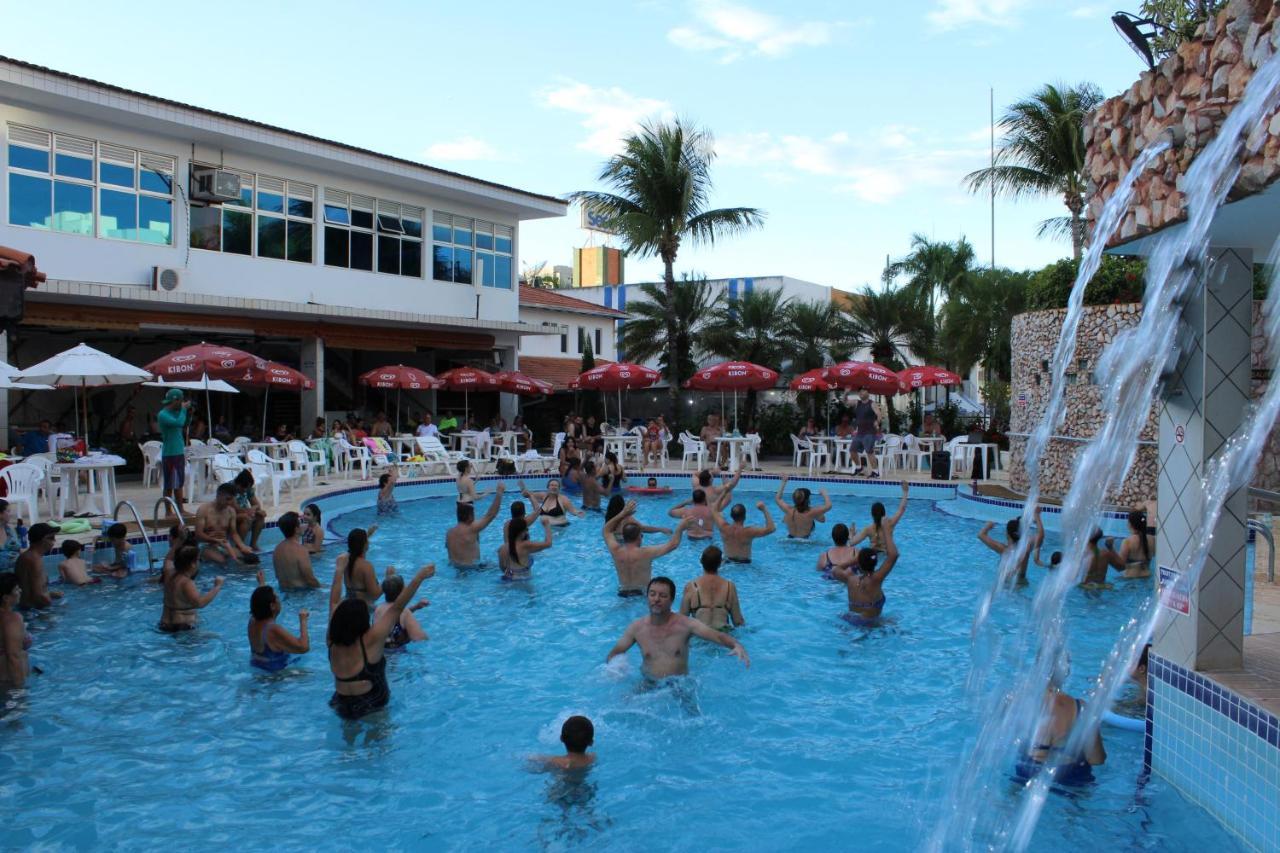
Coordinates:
557 358
598 265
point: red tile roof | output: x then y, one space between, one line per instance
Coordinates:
22 263
558 371
541 297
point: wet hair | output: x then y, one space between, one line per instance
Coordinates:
1055 559
704 477
8 583
877 513
244 479
177 531
515 529
1138 524
712 557
357 544
577 734
463 465
589 467
186 558
349 622
117 531
466 513
383 480
517 509
699 496
40 531
840 535
866 560
226 489
314 509
616 505
739 512
288 524
392 586
1095 537
1013 529
800 497
70 548
260 602
662 579
651 483
1144 657
630 532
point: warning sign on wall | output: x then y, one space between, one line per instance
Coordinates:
1179 433
1175 592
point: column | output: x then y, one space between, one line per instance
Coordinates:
4 395
508 404
1203 407
313 367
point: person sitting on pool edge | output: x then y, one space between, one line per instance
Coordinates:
407 630
576 734
363 689
269 643
632 559
462 541
697 513
1013 531
701 594
663 636
1059 716
250 516
30 568
181 596
737 537
291 559
865 584
217 532
799 517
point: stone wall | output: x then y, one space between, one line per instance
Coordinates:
1189 94
1035 336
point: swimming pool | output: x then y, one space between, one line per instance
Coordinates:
836 737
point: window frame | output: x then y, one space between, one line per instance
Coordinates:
489 257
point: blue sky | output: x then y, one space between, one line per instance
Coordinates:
850 123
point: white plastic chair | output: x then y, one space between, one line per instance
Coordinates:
889 452
913 456
691 447
818 455
350 457
557 442
800 448
279 472
751 450
150 461
23 482
306 459
226 467
195 442
51 483
961 456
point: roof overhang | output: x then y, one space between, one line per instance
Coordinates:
1252 223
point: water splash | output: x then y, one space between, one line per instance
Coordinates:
1128 374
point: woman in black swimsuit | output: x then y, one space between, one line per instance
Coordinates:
181 597
353 575
356 651
552 503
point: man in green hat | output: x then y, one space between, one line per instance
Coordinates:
173 420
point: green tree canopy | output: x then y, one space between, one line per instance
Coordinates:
644 336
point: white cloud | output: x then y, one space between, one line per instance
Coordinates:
733 31
466 148
953 14
608 115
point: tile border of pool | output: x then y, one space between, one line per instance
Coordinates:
1216 747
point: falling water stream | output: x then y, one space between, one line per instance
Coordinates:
1128 373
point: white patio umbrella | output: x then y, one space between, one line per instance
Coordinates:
8 371
204 383
83 367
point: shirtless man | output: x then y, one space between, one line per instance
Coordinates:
737 537
463 539
664 636
697 513
216 532
30 569
800 517
717 496
1013 531
592 488
291 558
632 559
709 433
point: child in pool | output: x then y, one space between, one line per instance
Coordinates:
117 536
576 734
73 570
386 493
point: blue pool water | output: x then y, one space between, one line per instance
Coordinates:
835 738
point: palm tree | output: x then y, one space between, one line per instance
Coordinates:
645 334
977 320
881 321
750 328
1042 153
814 330
932 269
662 184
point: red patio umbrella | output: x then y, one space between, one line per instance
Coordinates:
399 377
515 382
272 374
211 361
732 376
876 378
927 377
814 380
466 380
615 377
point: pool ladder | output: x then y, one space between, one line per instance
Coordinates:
155 518
1263 529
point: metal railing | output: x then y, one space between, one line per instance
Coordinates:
1264 530
146 539
177 511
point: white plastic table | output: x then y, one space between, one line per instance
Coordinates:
982 450
737 445
622 445
100 485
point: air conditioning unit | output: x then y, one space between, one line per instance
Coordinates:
167 279
214 185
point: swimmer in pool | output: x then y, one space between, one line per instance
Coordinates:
632 559
1100 558
716 495
881 526
840 554
799 517
466 483
576 734
291 559
1058 717
518 511
737 537
1137 548
617 504
312 537
663 636
408 629
270 644
178 536
1013 531
14 639
711 599
181 596
593 486
36 594
515 555
551 504
865 583
387 492
73 570
697 513
353 574
463 539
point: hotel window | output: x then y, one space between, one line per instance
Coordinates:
564 343
597 341
273 218
58 182
471 251
363 233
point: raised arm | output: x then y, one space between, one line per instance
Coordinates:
826 502
777 498
335 586
769 526
390 617
672 543
298 645
902 504
890 560
203 600
677 511
493 508
984 536
531 546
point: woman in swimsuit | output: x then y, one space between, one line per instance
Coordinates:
353 576
711 599
387 492
356 651
407 629
1136 549
617 474
14 639
1013 531
800 517
466 481
568 450
10 544
551 504
269 643
1059 715
865 584
1100 559
841 555
572 480
312 529
880 526
515 555
181 597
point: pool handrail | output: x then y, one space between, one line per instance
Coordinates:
146 540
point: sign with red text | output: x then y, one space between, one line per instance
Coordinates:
1175 591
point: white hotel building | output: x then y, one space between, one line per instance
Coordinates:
327 257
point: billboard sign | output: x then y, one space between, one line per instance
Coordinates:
593 219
